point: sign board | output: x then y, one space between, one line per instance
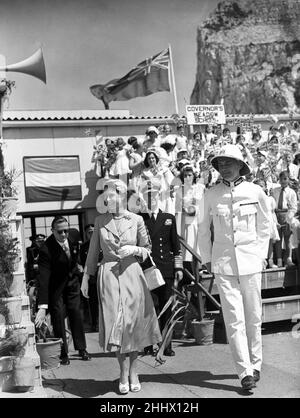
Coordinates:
243 121
205 114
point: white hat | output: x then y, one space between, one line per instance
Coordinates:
115 184
170 139
182 150
152 129
153 150
187 166
183 162
233 152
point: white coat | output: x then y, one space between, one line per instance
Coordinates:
240 216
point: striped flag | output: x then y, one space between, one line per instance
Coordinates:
148 77
52 179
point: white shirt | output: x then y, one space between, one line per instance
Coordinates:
293 169
289 200
181 141
155 213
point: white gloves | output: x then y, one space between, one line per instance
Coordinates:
40 317
85 284
128 250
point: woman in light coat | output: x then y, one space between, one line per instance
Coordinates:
127 318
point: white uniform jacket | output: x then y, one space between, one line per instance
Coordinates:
240 216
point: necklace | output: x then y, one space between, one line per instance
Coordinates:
119 216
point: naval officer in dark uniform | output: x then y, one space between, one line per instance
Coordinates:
166 250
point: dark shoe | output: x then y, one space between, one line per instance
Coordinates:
65 361
248 383
256 375
169 352
148 350
84 355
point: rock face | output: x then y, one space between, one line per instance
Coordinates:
249 54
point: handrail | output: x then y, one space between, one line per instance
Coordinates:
202 288
196 279
190 249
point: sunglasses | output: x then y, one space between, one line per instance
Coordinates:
66 231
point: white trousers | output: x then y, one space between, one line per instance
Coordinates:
242 312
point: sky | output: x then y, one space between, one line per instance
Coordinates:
87 42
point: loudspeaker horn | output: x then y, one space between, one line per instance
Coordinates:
34 65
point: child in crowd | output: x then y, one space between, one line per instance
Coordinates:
286 208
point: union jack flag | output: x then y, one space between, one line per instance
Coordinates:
160 60
148 77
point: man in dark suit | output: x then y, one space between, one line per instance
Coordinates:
166 250
59 288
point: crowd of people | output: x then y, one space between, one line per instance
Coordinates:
181 163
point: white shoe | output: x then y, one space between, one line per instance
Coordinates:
272 265
135 387
289 262
124 388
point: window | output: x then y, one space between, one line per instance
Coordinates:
41 224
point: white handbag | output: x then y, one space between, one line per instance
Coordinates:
153 275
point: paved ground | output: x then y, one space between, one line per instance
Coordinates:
195 372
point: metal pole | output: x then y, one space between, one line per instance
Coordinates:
3 88
173 81
1 138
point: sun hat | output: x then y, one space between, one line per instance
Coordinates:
152 129
37 237
112 184
152 150
187 166
182 150
170 139
233 152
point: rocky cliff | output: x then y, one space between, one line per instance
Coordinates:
249 54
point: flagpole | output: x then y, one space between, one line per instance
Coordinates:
173 81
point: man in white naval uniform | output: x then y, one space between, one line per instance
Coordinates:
238 210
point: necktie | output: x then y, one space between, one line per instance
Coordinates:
280 200
66 250
152 217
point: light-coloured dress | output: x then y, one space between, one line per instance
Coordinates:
273 219
127 318
189 208
166 201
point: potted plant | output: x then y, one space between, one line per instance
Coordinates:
184 311
10 285
12 348
8 192
48 347
13 338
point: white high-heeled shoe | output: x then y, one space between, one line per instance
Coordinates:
124 388
135 387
